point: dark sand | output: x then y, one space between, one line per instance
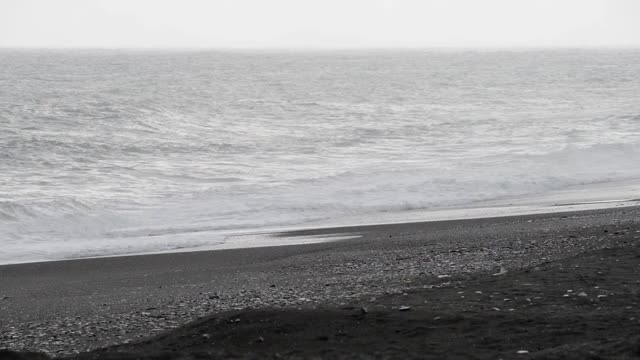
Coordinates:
571 290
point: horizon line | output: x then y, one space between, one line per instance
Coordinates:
325 48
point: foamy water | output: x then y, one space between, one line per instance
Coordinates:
114 152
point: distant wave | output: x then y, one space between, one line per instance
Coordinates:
14 211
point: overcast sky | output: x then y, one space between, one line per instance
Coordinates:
318 23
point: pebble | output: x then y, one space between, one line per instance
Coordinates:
501 272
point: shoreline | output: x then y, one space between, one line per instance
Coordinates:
333 231
91 303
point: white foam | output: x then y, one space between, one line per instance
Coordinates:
491 187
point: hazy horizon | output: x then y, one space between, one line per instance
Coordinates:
293 49
322 49
332 24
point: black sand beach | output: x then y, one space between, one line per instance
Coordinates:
562 285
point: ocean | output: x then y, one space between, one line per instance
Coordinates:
110 152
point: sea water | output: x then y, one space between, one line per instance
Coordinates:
106 152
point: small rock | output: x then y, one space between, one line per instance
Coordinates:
404 308
363 310
522 352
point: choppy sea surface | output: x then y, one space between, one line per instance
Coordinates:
117 152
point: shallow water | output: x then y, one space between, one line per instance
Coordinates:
114 152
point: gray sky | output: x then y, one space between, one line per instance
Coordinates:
318 23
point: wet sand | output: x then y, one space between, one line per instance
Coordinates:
344 298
